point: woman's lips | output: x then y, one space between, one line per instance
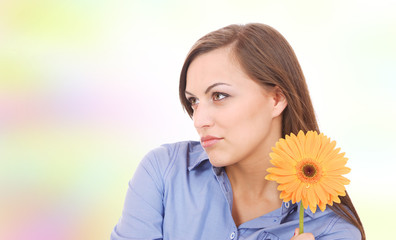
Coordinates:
209 141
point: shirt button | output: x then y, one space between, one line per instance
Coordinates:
232 235
287 204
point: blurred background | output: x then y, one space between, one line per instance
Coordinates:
88 87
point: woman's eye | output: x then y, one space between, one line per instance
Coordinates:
217 96
193 101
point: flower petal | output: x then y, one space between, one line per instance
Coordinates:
337 172
290 186
322 206
327 149
297 195
293 146
283 156
285 147
281 171
312 202
320 192
284 179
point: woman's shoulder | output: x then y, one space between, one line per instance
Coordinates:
329 225
183 149
185 154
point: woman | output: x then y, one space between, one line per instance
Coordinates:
244 89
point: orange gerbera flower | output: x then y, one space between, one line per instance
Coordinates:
308 168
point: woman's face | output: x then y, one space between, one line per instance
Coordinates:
236 118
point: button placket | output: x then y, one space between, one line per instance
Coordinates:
232 235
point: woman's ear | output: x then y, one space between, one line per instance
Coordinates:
279 101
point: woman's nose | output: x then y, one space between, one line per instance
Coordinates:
202 117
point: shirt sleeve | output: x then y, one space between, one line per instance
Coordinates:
341 230
143 211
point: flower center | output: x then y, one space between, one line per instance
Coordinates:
308 171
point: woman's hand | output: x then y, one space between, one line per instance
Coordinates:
303 236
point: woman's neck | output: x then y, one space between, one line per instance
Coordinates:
248 175
249 179
253 196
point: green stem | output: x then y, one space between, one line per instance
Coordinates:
301 218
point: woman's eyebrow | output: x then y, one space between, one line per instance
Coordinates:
210 87
214 85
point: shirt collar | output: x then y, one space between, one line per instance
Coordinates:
196 155
318 212
274 217
287 207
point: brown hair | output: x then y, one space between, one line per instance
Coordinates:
266 57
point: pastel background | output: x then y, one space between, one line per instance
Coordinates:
88 87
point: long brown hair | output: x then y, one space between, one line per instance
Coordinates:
266 57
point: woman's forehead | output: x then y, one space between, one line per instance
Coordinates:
215 66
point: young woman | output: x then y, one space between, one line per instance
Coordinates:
244 89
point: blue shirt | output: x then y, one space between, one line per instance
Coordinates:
177 194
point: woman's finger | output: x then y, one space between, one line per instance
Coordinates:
303 236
